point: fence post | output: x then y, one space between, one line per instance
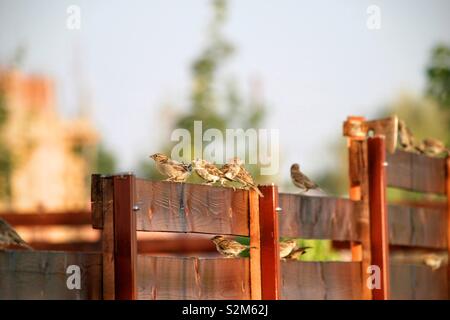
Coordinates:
125 246
448 221
379 236
270 256
255 247
358 191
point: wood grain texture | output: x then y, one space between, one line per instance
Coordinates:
379 236
97 189
416 172
191 278
411 282
320 280
359 191
42 275
313 217
185 207
418 227
125 243
107 238
255 247
270 254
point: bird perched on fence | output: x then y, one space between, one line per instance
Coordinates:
433 147
9 236
231 169
300 180
174 170
286 247
433 261
297 253
406 138
229 248
235 171
208 172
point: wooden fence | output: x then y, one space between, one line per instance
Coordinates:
124 204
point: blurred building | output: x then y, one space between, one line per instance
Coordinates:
50 168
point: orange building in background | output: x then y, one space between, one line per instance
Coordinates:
49 171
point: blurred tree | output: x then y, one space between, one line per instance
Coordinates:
105 161
215 110
438 73
5 156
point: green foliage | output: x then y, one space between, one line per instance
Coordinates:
438 73
6 162
217 111
105 161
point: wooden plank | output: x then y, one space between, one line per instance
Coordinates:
125 247
191 278
314 217
416 172
74 218
186 207
320 280
417 227
270 254
108 239
255 247
359 191
42 275
97 184
379 236
417 282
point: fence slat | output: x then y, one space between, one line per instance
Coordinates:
74 218
270 255
359 191
416 172
255 247
313 217
320 280
379 236
42 275
125 246
192 278
411 282
186 207
417 227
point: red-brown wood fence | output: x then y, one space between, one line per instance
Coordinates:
373 228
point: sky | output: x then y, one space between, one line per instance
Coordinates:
317 61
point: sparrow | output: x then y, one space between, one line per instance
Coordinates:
300 180
432 147
8 236
229 248
208 172
297 253
231 169
286 247
406 138
176 171
433 261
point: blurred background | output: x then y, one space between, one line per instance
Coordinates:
97 86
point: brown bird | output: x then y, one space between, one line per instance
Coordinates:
406 138
433 147
433 261
300 180
286 247
208 172
231 169
228 248
297 253
174 170
8 236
